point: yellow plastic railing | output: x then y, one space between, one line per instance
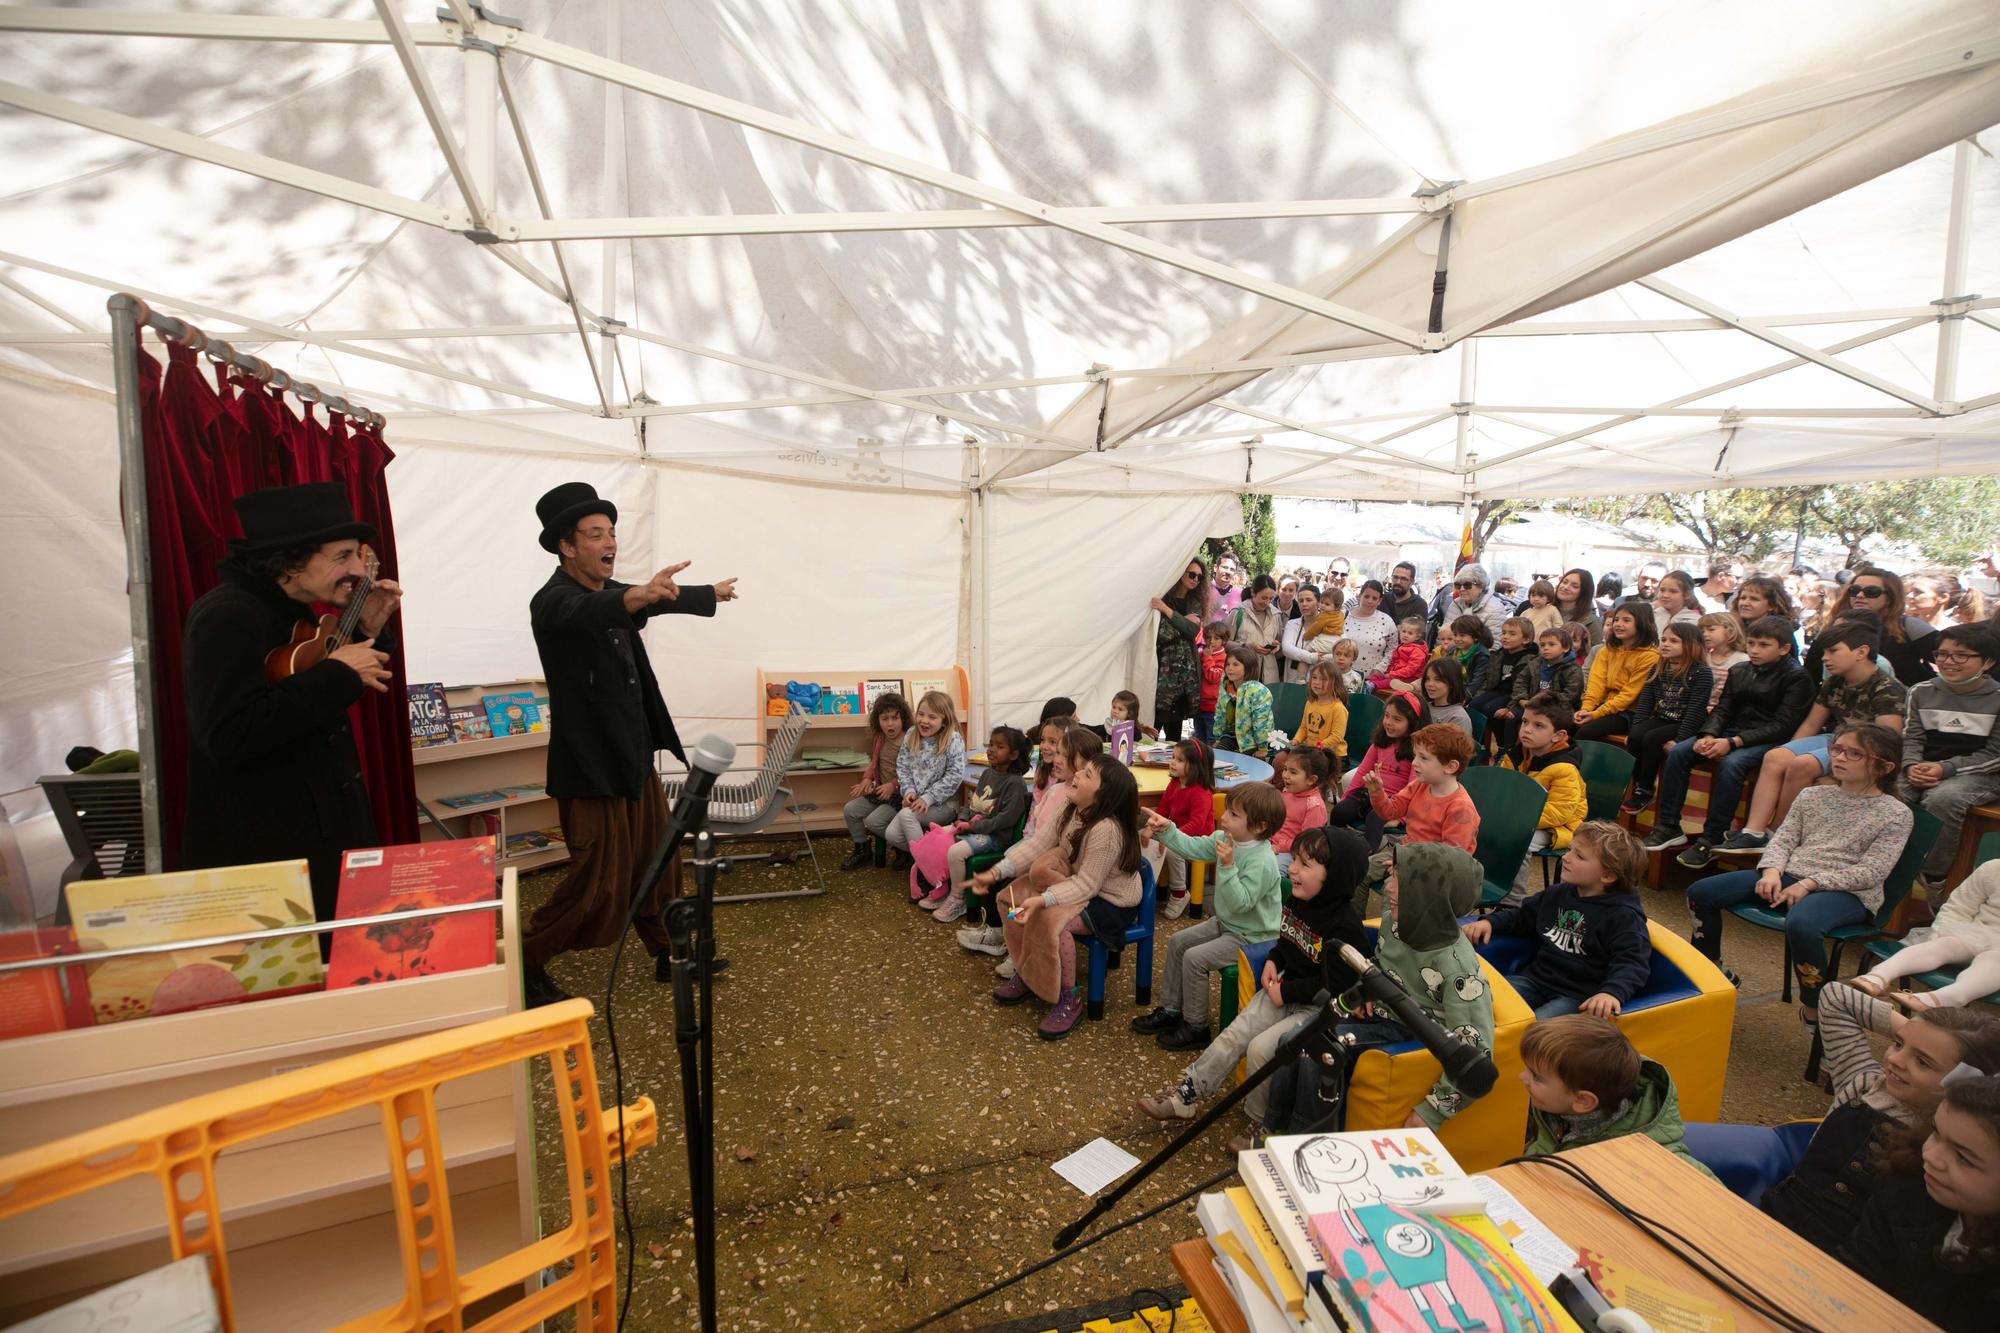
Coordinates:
177 1145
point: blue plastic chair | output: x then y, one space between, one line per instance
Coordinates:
1749 1159
1924 830
1140 932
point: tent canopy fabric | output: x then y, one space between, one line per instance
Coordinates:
949 324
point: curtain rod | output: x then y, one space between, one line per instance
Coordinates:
187 335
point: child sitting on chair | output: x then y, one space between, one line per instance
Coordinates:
1591 948
1433 806
1587 1083
930 769
1064 745
1406 664
1388 757
1324 722
994 815
1345 654
1243 712
1189 802
1326 868
1543 752
1300 779
1246 910
1965 934
873 801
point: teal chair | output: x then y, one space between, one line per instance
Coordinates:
1510 806
1607 772
1288 707
1364 714
1924 830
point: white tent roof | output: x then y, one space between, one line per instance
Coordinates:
812 222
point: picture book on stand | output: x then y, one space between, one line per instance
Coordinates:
513 714
430 717
45 999
378 881
468 723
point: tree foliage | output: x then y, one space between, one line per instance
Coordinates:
1256 546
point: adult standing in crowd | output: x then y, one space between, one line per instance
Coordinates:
1648 581
1471 595
1609 589
1177 696
1371 629
1928 595
1404 602
1908 644
1720 585
1288 597
1225 596
1575 603
1761 595
272 771
1257 625
1310 620
601 683
1336 580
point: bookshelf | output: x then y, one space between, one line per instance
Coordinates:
312 1234
489 764
821 792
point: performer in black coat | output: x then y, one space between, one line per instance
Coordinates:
272 772
613 720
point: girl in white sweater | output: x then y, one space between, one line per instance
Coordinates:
1967 931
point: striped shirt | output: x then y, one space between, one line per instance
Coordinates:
1955 728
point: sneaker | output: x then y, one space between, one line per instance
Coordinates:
1639 799
858 859
1175 904
950 910
1159 1020
1698 855
1055 1024
1011 991
1665 837
1244 1142
539 989
1004 969
1742 844
936 897
1183 1036
983 939
1166 1104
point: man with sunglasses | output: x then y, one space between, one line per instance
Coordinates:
1951 743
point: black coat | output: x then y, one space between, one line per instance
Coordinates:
1896 1246
272 771
1762 705
611 718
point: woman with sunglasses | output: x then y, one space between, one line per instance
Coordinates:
1908 644
1469 597
1177 696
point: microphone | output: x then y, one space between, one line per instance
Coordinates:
1471 1069
711 759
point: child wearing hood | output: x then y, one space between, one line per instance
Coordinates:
1587 1083
1327 865
1592 952
1430 886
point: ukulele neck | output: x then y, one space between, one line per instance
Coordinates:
350 619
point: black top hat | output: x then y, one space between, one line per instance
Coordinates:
306 515
560 509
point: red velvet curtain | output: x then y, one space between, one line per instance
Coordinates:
207 443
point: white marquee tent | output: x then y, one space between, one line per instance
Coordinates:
950 328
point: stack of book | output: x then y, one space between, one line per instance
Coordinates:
1376 1230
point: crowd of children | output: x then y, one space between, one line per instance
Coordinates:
1049 852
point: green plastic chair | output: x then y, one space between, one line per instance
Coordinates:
1364 714
1607 772
1510 806
1288 708
1924 830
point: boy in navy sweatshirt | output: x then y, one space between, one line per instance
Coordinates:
1592 951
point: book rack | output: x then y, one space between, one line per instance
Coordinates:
489 764
309 1211
819 793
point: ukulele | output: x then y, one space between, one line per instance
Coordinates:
313 640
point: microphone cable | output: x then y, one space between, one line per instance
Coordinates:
618 1095
1708 1266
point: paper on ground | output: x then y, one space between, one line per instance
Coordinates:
1540 1249
1095 1165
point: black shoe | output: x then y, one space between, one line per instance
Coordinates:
1743 844
1183 1036
900 861
1698 855
540 990
1640 798
1159 1020
1665 837
860 858
717 966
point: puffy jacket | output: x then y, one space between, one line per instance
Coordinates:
1558 772
1564 679
1653 1109
1762 705
1617 676
1502 669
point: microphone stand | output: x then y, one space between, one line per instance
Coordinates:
691 951
1288 1051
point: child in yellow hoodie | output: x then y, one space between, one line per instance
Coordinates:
1542 751
1620 671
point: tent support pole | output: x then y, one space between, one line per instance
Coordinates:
1462 456
1957 252
126 315
480 70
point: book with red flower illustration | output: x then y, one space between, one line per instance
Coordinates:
45 999
377 881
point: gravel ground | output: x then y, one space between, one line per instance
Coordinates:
884 1131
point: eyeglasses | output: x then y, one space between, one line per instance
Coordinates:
1868 590
1846 752
1956 658
1465 585
1192 574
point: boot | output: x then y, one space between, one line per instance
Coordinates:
858 859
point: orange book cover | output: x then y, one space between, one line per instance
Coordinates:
379 880
43 999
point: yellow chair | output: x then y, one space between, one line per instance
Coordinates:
177 1146
1198 872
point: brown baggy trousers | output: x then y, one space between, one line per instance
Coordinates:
610 841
